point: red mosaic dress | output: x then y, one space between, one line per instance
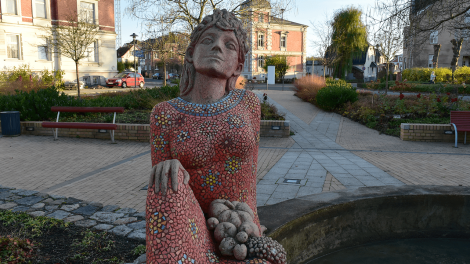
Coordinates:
218 145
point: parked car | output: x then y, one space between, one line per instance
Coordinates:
72 85
126 79
157 76
173 75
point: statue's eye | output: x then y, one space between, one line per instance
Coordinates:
230 46
206 41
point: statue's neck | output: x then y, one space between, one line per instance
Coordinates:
206 90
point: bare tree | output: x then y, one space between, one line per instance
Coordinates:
185 15
170 46
389 36
74 38
422 17
323 32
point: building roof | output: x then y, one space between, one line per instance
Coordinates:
122 50
277 20
249 2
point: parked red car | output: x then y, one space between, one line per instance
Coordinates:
126 79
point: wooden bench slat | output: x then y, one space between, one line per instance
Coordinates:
87 109
79 125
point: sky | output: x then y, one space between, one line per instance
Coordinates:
306 11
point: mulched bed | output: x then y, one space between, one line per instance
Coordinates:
74 244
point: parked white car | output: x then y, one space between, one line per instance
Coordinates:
72 85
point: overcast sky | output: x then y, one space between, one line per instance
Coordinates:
306 11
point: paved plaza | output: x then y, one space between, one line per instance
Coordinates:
328 152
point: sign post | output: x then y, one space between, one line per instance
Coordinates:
271 76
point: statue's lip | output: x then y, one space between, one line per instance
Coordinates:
215 57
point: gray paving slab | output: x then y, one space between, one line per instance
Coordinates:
291 189
265 189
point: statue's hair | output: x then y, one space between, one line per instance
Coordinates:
223 20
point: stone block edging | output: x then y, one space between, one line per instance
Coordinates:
138 132
121 221
428 133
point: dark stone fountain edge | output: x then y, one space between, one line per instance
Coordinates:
319 224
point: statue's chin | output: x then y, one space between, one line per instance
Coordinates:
214 71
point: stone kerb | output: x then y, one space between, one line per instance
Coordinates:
428 133
124 222
138 132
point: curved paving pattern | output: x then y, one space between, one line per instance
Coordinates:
314 155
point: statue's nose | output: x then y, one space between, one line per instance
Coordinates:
217 45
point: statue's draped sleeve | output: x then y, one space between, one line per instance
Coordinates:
159 136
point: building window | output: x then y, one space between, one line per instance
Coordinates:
92 52
43 52
434 37
261 18
431 56
40 8
13 46
260 61
11 7
260 40
283 41
155 55
87 11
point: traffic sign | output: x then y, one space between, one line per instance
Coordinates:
139 53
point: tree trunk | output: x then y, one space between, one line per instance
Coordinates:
456 47
164 73
437 49
386 79
324 71
78 80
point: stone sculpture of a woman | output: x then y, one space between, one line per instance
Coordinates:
204 146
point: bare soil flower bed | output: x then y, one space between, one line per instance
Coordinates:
27 239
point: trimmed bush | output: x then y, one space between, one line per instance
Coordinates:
424 74
462 75
335 95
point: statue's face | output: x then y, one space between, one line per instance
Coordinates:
216 54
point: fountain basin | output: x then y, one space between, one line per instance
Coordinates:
316 225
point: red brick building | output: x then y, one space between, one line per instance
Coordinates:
23 41
271 35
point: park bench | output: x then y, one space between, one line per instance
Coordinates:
107 126
461 122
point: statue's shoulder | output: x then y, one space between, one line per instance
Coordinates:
251 97
162 107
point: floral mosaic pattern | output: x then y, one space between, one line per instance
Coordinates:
235 121
182 136
157 223
233 164
211 180
162 120
159 142
217 144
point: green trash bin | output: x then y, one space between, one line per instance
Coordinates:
11 125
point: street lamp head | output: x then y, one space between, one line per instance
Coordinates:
134 35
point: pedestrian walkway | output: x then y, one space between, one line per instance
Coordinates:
304 167
328 152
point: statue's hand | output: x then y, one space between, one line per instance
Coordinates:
165 169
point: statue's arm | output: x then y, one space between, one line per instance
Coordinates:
163 166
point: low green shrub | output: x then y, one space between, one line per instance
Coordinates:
36 105
424 74
335 95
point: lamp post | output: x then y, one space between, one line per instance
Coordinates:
135 73
282 28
